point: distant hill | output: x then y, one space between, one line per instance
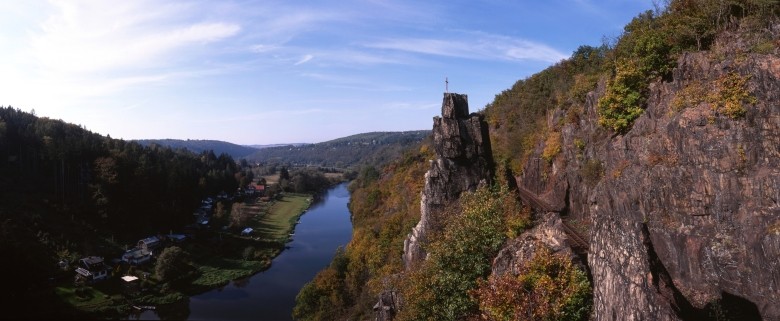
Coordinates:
373 148
198 146
275 145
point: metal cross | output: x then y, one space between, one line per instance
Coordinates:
446 85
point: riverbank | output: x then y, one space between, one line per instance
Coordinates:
230 260
215 259
270 295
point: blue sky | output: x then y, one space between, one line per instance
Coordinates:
264 72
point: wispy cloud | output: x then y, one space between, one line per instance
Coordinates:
303 60
357 83
482 47
102 36
79 50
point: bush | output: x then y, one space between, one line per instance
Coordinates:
625 97
549 287
592 172
731 95
691 95
552 146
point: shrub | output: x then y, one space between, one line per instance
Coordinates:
440 288
583 84
552 146
624 100
731 95
592 172
691 95
549 287
580 144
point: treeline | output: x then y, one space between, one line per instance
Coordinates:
349 152
306 180
198 146
646 51
116 184
64 189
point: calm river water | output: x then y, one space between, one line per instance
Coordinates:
270 295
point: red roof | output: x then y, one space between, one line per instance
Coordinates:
260 187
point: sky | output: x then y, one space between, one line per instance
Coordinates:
289 71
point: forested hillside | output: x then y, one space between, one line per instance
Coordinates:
353 151
384 207
67 192
198 146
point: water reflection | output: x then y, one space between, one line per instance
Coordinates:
270 295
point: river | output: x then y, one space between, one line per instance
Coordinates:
270 295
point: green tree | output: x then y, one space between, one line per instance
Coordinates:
458 258
171 262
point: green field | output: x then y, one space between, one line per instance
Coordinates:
282 216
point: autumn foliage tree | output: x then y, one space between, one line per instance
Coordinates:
549 287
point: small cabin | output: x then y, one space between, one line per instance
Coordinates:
92 269
149 243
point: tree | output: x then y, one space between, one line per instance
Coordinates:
172 261
284 174
237 215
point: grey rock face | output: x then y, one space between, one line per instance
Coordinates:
687 209
463 162
697 200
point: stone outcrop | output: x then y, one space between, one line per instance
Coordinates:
548 232
684 210
463 162
386 306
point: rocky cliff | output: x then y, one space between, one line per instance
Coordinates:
682 210
463 161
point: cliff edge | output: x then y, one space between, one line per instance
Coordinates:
682 210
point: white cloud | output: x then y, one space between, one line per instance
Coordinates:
303 60
481 46
262 48
104 36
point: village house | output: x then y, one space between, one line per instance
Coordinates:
150 243
260 189
176 238
92 269
136 256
